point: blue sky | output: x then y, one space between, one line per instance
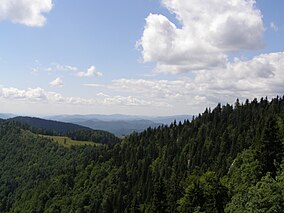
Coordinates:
140 57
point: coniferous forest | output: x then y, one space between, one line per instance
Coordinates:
227 159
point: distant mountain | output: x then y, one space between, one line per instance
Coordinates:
119 124
6 115
119 128
119 117
49 125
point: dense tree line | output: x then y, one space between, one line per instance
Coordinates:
229 159
97 136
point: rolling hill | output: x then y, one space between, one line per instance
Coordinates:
48 125
74 131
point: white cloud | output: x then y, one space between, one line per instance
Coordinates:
90 72
273 26
54 67
73 70
60 67
39 95
124 100
92 85
27 12
207 34
259 77
56 82
36 94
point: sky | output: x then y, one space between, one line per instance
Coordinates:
142 57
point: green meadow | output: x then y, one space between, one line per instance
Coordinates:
68 142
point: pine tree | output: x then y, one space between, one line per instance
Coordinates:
271 148
159 204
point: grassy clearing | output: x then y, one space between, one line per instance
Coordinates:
68 142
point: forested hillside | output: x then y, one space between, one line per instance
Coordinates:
74 131
49 126
229 159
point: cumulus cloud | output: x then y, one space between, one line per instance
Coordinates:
56 82
263 75
36 94
72 70
39 95
260 76
207 34
257 77
27 12
124 100
92 71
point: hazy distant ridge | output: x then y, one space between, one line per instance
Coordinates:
119 124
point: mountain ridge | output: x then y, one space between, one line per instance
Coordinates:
48 125
120 124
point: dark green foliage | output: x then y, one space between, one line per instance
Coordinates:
159 202
271 147
204 193
229 159
48 126
264 195
97 136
